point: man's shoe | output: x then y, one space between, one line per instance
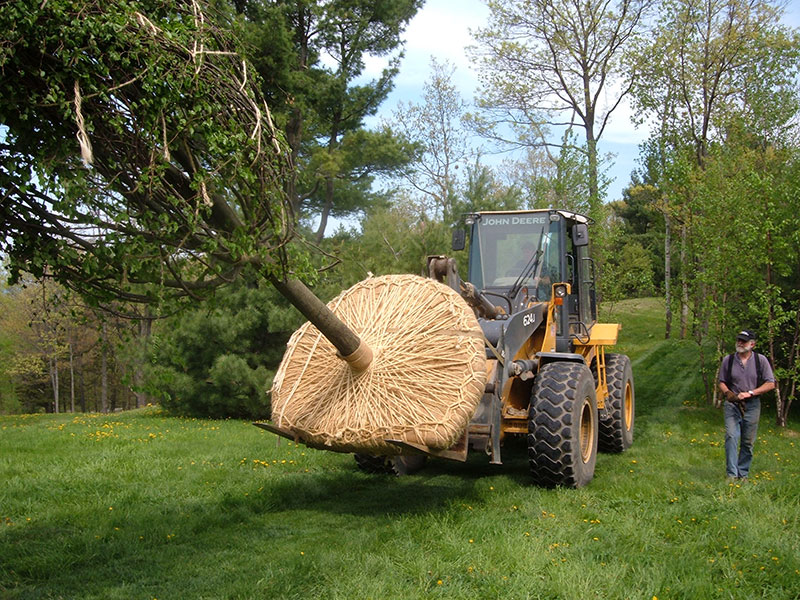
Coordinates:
730 479
743 480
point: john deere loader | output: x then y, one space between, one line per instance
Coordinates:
512 350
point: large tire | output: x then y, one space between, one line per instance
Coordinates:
616 430
562 425
390 465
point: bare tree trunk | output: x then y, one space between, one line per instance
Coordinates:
684 284
702 304
71 378
52 361
792 379
781 407
716 398
708 385
786 406
594 186
326 210
145 329
54 380
668 275
104 369
81 383
329 182
114 397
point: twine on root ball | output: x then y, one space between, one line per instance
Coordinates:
425 379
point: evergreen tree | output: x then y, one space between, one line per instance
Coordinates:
218 360
311 56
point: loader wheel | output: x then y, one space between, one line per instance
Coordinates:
390 465
616 431
562 425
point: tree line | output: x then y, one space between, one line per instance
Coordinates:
172 185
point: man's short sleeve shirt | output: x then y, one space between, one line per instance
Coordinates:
744 377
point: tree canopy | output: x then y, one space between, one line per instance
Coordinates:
137 149
554 64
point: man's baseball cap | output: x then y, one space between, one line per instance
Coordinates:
746 335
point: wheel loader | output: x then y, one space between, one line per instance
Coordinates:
531 283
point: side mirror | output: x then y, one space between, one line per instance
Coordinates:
459 239
580 234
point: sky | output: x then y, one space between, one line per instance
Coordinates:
442 29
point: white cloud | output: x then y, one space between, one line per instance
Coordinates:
442 27
440 30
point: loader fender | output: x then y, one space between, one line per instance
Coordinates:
548 357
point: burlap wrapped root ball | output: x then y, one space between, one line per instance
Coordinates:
423 385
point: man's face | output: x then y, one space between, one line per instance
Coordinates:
743 347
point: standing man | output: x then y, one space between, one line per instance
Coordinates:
743 377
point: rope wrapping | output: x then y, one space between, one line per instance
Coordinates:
426 378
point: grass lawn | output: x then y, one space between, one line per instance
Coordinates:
141 506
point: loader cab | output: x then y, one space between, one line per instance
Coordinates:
516 256
582 309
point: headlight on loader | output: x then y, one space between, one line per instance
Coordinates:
560 292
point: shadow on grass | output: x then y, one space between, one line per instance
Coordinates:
150 541
351 492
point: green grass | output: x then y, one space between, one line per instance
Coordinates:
138 505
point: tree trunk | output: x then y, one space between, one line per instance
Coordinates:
704 371
326 210
145 329
716 398
104 369
114 397
792 379
71 378
349 345
54 380
81 384
594 186
787 405
684 284
667 275
294 134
